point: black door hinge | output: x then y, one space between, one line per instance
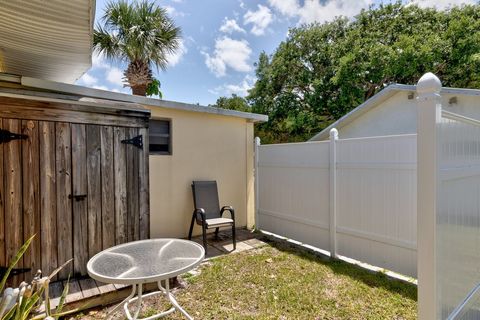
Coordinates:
7 136
136 141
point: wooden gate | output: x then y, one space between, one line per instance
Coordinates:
75 184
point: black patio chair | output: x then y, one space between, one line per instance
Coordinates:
207 211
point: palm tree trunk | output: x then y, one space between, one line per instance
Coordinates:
138 76
139 90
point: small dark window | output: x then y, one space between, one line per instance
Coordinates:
160 137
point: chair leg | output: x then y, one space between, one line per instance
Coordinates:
191 227
234 237
204 231
216 233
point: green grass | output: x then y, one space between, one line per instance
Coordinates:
281 282
278 281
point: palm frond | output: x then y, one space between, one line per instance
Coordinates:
107 44
138 31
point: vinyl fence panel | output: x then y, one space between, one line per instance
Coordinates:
374 206
458 217
294 191
376 195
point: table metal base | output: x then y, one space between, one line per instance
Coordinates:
138 289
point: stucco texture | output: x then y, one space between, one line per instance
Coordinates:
204 147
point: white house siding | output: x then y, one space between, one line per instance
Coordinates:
398 115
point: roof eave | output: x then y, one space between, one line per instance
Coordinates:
116 96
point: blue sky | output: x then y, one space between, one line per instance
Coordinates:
221 41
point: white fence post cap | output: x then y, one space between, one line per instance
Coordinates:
333 133
429 83
257 141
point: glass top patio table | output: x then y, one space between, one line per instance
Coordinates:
145 261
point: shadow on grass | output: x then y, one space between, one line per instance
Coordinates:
370 278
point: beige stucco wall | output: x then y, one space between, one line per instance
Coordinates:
204 147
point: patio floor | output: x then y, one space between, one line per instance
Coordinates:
87 293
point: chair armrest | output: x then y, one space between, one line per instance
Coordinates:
201 212
228 208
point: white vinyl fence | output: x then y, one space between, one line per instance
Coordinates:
352 197
359 198
448 209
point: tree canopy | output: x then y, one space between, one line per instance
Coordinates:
234 102
322 71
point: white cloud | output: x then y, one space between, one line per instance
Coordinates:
99 61
286 7
259 19
101 88
316 11
171 11
230 26
228 53
177 1
174 58
240 89
88 80
441 4
115 76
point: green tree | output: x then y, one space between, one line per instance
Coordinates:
233 103
322 71
140 34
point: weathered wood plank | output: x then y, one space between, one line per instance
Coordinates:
94 190
105 287
31 194
44 111
71 102
63 166
48 203
133 212
120 286
77 302
108 184
74 291
55 290
144 187
13 194
120 168
3 258
79 187
89 287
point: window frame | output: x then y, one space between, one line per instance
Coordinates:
170 140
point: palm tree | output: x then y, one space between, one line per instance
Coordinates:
140 34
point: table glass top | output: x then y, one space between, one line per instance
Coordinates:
155 259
